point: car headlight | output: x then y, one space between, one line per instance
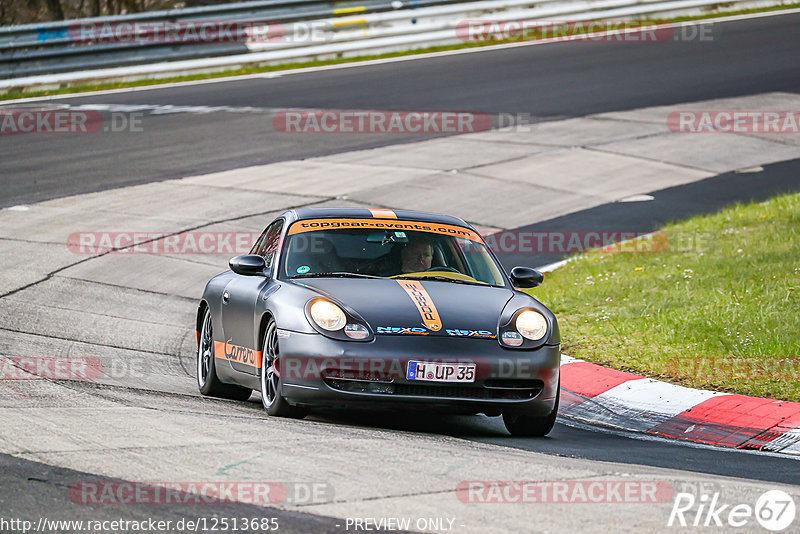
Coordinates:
531 324
327 315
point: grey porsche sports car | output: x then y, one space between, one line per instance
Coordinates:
376 308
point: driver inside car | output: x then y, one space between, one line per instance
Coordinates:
416 256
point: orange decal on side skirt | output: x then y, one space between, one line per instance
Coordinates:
235 353
423 302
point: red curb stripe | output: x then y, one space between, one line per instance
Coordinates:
568 400
763 440
700 432
733 421
583 380
736 421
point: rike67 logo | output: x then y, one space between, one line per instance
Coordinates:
774 510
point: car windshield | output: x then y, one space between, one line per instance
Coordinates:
366 248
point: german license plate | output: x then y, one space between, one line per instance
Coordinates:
441 372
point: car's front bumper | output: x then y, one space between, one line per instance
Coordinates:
319 371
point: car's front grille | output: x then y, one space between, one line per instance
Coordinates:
419 390
490 390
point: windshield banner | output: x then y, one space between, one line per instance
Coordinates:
313 225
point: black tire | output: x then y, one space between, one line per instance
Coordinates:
271 384
207 381
532 425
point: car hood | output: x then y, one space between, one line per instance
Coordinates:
395 306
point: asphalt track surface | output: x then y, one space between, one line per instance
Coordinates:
545 81
30 487
575 440
548 82
34 490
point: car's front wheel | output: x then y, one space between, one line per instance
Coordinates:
271 383
532 425
207 380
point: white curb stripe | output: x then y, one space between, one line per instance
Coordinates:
641 404
789 443
566 360
550 267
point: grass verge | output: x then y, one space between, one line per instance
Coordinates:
712 302
291 66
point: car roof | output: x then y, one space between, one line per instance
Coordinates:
372 213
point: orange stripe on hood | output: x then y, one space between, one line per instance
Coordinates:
423 302
383 213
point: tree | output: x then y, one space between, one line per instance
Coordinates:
54 9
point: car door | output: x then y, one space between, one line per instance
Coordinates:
239 300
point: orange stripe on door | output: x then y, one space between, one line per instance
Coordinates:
383 213
423 302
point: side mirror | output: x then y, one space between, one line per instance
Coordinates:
248 265
526 277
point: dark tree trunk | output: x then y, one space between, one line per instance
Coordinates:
130 6
54 9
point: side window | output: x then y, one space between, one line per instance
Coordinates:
267 244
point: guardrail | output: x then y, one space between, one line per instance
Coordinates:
278 31
63 46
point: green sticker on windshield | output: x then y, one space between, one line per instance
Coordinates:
303 269
399 234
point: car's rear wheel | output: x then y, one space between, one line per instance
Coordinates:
532 425
271 383
207 380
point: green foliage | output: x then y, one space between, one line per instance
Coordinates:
711 302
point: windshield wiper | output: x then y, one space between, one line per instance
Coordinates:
339 274
441 279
